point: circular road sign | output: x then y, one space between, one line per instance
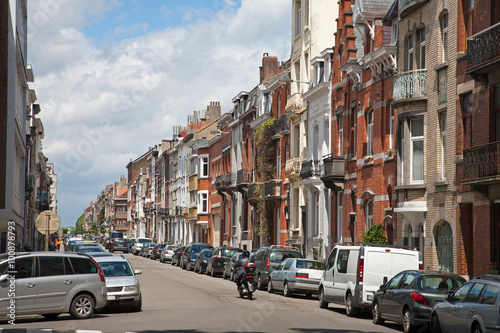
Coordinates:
48 222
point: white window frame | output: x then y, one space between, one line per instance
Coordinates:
316 213
298 18
421 56
202 165
340 120
444 37
369 133
411 44
340 195
394 32
202 196
391 127
443 132
413 140
368 214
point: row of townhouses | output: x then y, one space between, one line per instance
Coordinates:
28 184
386 112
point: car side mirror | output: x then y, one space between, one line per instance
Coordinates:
4 278
137 272
383 287
385 280
324 263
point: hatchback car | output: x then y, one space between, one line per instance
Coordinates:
471 308
168 252
119 244
200 265
267 259
51 283
229 266
176 257
409 296
219 258
190 253
157 250
299 276
122 284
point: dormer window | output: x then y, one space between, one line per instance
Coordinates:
394 33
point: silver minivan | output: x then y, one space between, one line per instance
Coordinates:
51 283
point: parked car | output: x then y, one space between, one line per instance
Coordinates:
131 242
168 252
146 249
219 258
409 297
353 273
69 247
294 275
119 244
229 267
65 282
157 250
471 308
88 245
176 257
266 260
200 265
190 253
122 285
138 244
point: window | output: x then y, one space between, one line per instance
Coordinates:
24 267
83 266
297 141
394 283
460 294
203 166
490 294
442 85
394 33
421 59
369 133
202 202
391 127
474 293
355 130
407 281
278 163
467 120
442 129
298 17
331 259
369 214
444 37
410 53
316 213
417 149
50 266
340 196
468 19
342 261
340 120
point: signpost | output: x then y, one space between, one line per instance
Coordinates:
47 223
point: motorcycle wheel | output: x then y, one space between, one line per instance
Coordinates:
250 295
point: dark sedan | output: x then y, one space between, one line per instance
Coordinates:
119 244
156 252
176 257
219 258
200 265
409 297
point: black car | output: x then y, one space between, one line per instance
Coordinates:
156 253
191 252
267 258
220 258
176 258
200 265
119 244
409 297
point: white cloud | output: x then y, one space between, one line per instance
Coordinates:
103 105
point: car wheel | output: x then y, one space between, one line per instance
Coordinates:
377 318
138 306
224 276
435 325
286 290
82 307
321 296
231 277
407 321
270 286
260 283
212 273
350 310
161 260
51 315
477 329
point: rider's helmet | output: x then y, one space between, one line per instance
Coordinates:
245 254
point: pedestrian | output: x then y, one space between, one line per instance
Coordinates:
58 244
52 245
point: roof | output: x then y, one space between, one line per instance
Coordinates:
375 6
204 127
392 13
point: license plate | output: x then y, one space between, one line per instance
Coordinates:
111 298
368 297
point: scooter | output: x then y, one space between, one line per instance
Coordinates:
246 286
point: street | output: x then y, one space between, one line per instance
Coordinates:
177 300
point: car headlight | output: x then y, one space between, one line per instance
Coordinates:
130 288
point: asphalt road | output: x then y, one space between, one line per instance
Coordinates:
175 300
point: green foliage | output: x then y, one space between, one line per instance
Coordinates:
101 215
375 235
79 224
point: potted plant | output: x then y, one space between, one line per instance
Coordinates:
494 267
389 152
368 158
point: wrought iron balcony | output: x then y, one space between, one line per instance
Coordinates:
309 169
411 84
255 190
226 180
272 188
164 211
481 164
334 171
218 181
483 49
284 124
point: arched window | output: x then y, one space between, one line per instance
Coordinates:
368 214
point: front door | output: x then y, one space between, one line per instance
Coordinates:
25 291
444 243
54 283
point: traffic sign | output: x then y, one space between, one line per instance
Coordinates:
48 222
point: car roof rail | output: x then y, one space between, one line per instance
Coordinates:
380 245
284 247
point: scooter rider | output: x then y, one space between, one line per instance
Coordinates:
239 267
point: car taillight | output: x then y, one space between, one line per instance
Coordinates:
157 251
361 267
101 273
420 267
302 275
268 263
250 276
418 298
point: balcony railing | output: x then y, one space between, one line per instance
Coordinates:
482 162
226 180
218 181
410 84
284 123
272 188
255 190
483 46
309 169
334 171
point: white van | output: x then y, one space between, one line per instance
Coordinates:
139 243
353 273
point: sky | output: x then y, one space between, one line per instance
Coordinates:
113 77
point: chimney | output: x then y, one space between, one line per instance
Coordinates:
269 67
213 112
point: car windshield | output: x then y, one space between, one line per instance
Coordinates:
120 241
279 256
143 240
207 254
440 283
173 248
230 252
152 245
89 249
308 264
198 248
115 269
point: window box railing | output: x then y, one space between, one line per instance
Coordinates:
309 169
483 46
410 85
